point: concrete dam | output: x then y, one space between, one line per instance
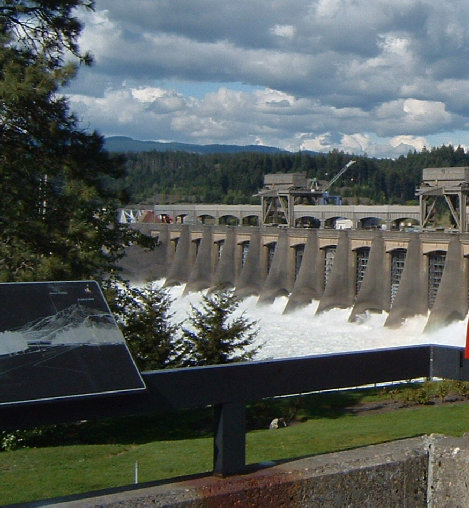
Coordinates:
404 274
296 244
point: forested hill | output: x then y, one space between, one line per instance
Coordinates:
123 144
233 178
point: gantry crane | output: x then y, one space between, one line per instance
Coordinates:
282 190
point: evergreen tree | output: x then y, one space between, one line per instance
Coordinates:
215 336
57 215
144 317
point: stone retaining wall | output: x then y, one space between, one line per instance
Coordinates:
425 471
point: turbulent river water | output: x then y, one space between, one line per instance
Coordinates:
303 333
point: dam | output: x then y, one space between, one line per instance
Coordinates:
369 259
402 273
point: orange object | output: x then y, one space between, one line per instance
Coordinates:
466 351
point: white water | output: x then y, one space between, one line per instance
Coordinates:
302 333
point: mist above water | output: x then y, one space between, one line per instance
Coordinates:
302 333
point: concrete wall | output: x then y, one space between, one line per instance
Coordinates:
192 255
429 471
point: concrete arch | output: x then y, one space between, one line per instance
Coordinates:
388 213
250 220
228 220
307 221
179 219
332 222
207 219
404 223
370 223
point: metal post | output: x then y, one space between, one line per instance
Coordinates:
423 209
462 212
229 455
290 211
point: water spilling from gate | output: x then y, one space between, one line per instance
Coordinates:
303 333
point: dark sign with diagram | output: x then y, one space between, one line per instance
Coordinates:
60 340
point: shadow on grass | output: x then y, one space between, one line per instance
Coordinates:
191 424
198 423
126 430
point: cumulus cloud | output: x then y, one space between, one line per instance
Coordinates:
287 31
377 77
416 142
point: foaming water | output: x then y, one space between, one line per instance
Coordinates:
302 333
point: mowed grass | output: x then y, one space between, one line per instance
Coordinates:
326 435
38 473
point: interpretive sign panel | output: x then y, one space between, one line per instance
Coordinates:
60 340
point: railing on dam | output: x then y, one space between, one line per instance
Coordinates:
228 388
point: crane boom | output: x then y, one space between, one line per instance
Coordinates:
338 175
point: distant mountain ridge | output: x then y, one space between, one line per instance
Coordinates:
74 316
125 144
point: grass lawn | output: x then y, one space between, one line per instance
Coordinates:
173 445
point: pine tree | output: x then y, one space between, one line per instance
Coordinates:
144 317
57 215
215 336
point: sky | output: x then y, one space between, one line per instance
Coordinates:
375 77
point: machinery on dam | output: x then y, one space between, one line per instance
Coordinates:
282 191
401 271
447 185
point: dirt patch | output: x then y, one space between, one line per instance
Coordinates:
385 406
376 407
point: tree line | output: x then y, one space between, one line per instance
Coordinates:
236 178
